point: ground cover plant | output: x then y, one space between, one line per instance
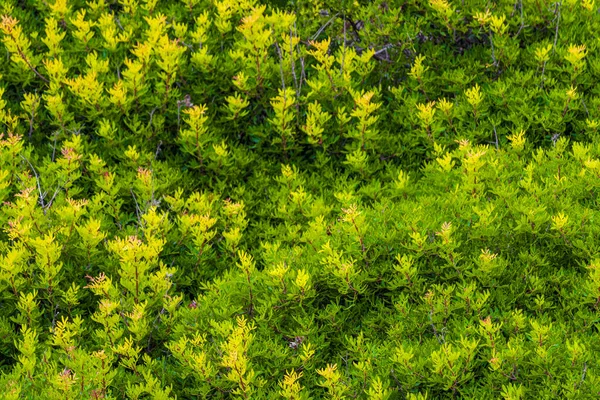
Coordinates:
256 199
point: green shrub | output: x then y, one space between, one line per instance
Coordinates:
299 200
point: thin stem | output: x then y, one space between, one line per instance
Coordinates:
557 13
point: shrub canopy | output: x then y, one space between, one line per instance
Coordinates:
299 199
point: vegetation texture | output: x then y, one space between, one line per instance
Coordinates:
243 199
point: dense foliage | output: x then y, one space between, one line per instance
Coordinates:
294 199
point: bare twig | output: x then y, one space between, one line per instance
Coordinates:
557 13
496 136
435 331
153 201
152 115
154 326
31 121
76 131
37 180
583 373
53 197
495 61
137 208
293 64
158 149
356 26
186 102
280 68
344 49
398 383
42 195
118 21
322 28
557 17
31 67
302 72
522 18
382 54
54 145
585 107
54 315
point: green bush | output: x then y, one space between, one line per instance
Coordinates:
299 199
